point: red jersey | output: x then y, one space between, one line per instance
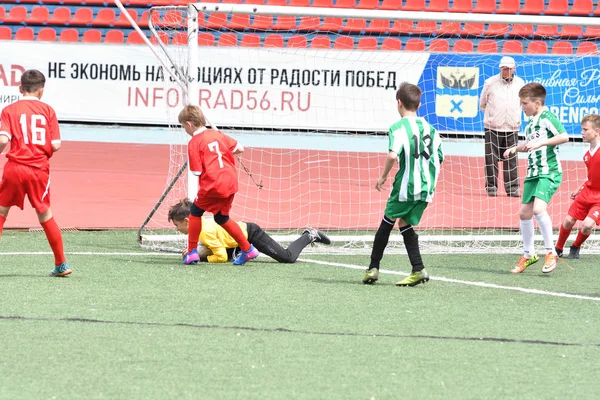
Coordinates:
210 154
32 127
592 162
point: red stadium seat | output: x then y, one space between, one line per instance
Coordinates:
16 15
485 6
276 2
462 6
368 4
473 29
250 40
134 38
24 34
509 7
438 6
401 26
216 21
496 30
273 41
260 2
548 31
162 36
425 27
285 23
105 17
392 44
512 47
309 24
227 40
449 28
463 46
392 5
367 43
582 7
414 5
592 32
355 25
557 7
83 16
345 4
415 44
299 3
60 16
320 42
571 31
322 3
5 33
143 21
180 39
537 47
46 35
69 35
344 43
122 21
38 16
562 48
297 42
206 39
487 46
379 26
533 7
91 36
331 24
262 23
2 13
522 30
114 36
239 22
439 46
587 48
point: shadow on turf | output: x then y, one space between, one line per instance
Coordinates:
33 275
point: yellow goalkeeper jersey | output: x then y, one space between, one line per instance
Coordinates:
218 240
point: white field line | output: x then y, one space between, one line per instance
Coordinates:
459 281
332 264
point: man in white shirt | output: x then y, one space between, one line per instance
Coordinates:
502 120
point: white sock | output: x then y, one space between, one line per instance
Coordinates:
545 225
527 233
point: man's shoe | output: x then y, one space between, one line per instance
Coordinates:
559 252
61 270
414 279
492 193
550 263
246 256
514 194
317 236
191 257
573 253
524 263
371 276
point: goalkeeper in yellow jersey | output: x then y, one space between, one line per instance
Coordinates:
218 241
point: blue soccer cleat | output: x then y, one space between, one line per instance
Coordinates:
246 256
61 270
191 257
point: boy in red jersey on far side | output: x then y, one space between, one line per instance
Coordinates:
211 158
32 129
586 206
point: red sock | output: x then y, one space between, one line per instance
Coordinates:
55 240
581 237
2 221
236 233
194 229
563 235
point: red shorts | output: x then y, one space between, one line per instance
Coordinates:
19 180
586 204
214 204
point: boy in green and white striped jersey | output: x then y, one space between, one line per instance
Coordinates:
543 133
418 149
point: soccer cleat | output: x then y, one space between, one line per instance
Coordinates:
514 194
61 270
414 279
523 263
550 263
317 236
371 276
559 252
573 253
246 256
191 257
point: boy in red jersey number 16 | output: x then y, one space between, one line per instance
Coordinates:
211 158
32 129
586 206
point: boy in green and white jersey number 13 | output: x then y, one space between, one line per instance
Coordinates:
543 133
418 149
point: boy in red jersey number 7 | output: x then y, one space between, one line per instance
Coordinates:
211 158
586 206
32 129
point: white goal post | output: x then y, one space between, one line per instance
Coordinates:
334 153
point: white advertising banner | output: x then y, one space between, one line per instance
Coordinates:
243 87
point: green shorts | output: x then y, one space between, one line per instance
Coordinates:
543 188
409 211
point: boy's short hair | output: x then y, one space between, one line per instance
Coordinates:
32 80
534 91
192 114
594 119
180 211
409 95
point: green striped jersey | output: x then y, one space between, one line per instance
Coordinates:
419 150
543 161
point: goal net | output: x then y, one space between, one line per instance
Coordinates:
310 93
